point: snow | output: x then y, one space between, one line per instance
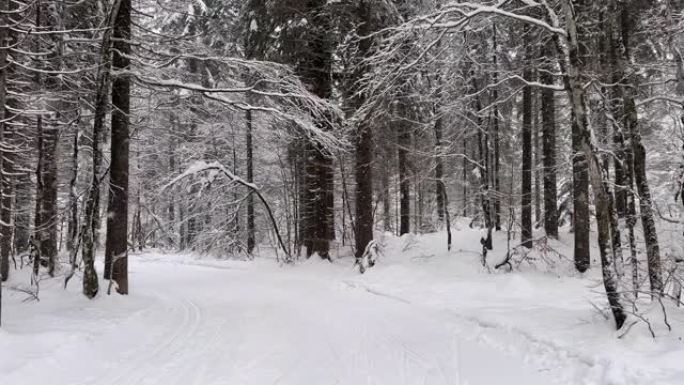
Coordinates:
420 316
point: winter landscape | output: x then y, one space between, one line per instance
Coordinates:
314 192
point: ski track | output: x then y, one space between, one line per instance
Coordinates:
543 353
223 326
136 368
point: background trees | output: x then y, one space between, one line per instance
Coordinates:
348 117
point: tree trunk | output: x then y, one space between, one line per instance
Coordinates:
464 178
364 188
315 69
655 270
5 162
22 213
364 141
497 144
91 219
404 140
536 157
116 248
548 107
526 211
440 194
72 228
386 201
580 173
251 238
575 89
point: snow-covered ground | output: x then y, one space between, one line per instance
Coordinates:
421 316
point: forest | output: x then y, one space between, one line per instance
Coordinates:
532 150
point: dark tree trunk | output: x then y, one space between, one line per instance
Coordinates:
4 43
315 69
7 208
49 15
404 141
386 201
364 188
655 270
72 228
364 141
497 151
464 179
5 158
484 169
581 223
440 194
603 199
116 249
548 101
49 215
536 157
319 218
171 209
22 213
526 211
580 170
251 238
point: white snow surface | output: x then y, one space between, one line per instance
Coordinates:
421 316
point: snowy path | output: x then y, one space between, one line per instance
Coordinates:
239 324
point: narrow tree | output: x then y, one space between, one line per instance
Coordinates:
548 101
526 213
638 150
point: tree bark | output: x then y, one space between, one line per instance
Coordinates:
116 247
251 237
580 171
6 243
72 228
548 101
574 9
655 270
386 201
315 68
497 139
440 193
364 188
403 142
364 138
526 211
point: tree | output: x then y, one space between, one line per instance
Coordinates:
526 210
364 136
548 101
580 182
116 251
5 159
638 150
603 199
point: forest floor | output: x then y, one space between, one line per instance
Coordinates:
421 316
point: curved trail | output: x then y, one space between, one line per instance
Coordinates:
199 325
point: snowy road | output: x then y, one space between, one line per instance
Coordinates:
239 324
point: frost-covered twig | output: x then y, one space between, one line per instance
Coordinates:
202 166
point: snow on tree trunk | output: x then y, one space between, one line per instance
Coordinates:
602 198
